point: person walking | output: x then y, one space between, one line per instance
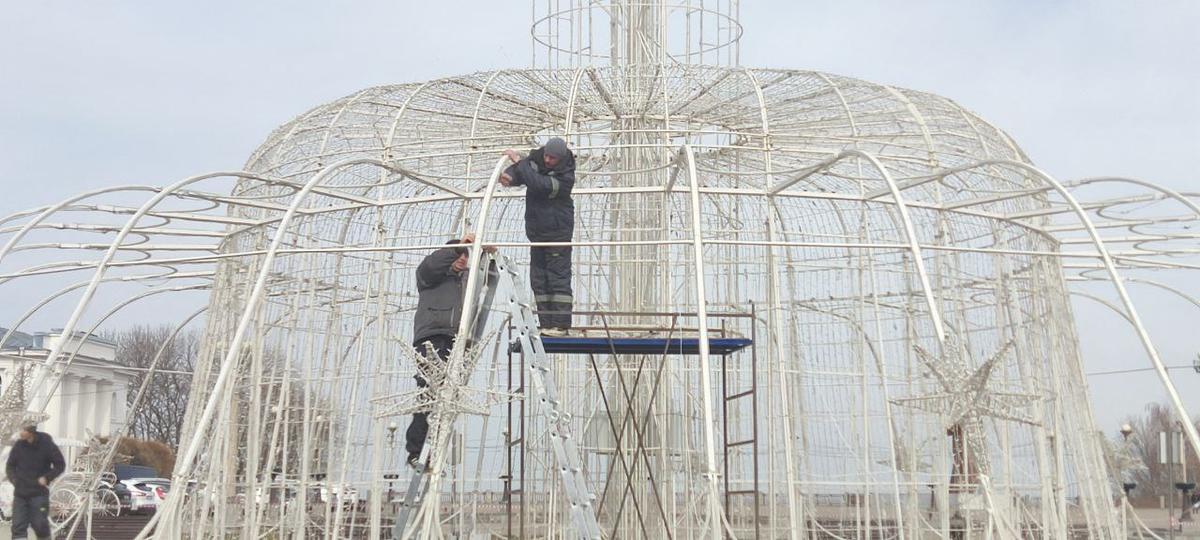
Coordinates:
548 174
441 279
33 463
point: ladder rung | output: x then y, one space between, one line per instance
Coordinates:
741 492
740 443
739 395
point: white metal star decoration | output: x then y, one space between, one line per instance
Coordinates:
443 398
13 412
964 398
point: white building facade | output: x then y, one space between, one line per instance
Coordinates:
91 395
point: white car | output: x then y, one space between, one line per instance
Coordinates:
146 493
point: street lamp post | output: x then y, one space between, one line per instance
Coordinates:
1126 487
1184 507
391 476
1172 442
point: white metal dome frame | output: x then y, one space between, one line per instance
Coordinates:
902 267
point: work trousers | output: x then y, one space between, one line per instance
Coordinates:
550 279
31 512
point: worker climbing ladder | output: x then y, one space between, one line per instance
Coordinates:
546 400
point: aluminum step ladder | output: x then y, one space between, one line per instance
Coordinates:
545 393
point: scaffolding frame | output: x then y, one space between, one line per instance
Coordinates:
618 426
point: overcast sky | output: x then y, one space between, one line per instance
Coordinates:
100 93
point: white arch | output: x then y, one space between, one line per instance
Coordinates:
90 290
1106 258
1118 283
914 245
184 465
710 455
8 246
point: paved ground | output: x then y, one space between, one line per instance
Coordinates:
127 527
120 528
1157 520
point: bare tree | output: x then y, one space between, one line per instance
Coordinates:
160 416
1155 478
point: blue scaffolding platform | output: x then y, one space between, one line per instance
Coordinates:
639 345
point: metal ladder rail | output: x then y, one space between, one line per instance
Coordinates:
566 451
515 440
417 483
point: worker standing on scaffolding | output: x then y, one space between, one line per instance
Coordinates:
441 280
548 174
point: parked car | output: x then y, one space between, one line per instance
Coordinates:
123 495
146 494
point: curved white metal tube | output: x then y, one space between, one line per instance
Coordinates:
795 508
15 326
137 403
69 327
1118 283
48 392
914 244
184 465
1149 185
710 454
430 505
8 246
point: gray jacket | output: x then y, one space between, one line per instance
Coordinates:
440 295
440 290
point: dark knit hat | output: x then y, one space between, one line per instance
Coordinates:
557 147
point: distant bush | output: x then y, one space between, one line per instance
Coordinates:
146 453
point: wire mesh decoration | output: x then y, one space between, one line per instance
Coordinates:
903 268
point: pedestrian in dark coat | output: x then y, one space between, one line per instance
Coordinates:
33 463
441 278
548 174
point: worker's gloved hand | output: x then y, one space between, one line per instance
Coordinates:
470 239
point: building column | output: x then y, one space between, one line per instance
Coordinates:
90 411
103 410
53 406
118 407
69 406
56 425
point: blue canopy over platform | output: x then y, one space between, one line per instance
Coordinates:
639 345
